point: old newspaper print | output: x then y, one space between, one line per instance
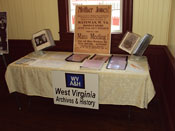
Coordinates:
92 29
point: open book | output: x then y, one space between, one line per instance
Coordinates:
134 44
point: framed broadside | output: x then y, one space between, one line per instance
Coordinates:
129 42
92 29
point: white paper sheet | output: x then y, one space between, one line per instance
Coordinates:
58 56
48 63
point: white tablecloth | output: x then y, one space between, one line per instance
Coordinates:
132 86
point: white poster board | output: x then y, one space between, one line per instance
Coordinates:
92 29
75 89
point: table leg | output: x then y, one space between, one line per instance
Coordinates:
4 60
18 102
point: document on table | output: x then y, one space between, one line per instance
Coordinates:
58 56
117 62
135 67
92 64
25 61
48 63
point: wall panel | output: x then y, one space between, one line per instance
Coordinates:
171 42
152 16
26 17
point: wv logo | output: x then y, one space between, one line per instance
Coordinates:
75 80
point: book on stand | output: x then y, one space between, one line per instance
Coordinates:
134 44
143 44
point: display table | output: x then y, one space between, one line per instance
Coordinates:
132 86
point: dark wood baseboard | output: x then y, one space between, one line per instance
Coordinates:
168 90
161 62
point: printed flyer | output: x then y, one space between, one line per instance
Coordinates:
92 29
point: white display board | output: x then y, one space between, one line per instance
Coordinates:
75 89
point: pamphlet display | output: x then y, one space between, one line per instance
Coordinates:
92 29
3 33
73 89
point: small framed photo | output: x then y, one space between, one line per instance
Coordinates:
129 42
42 39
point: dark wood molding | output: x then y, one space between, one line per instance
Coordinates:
168 90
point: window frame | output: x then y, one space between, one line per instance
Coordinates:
66 37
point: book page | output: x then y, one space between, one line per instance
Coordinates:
129 42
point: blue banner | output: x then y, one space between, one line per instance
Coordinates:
75 80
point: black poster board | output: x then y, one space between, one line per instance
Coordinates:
3 33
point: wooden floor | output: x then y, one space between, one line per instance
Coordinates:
43 115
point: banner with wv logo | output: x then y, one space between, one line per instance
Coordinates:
75 89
